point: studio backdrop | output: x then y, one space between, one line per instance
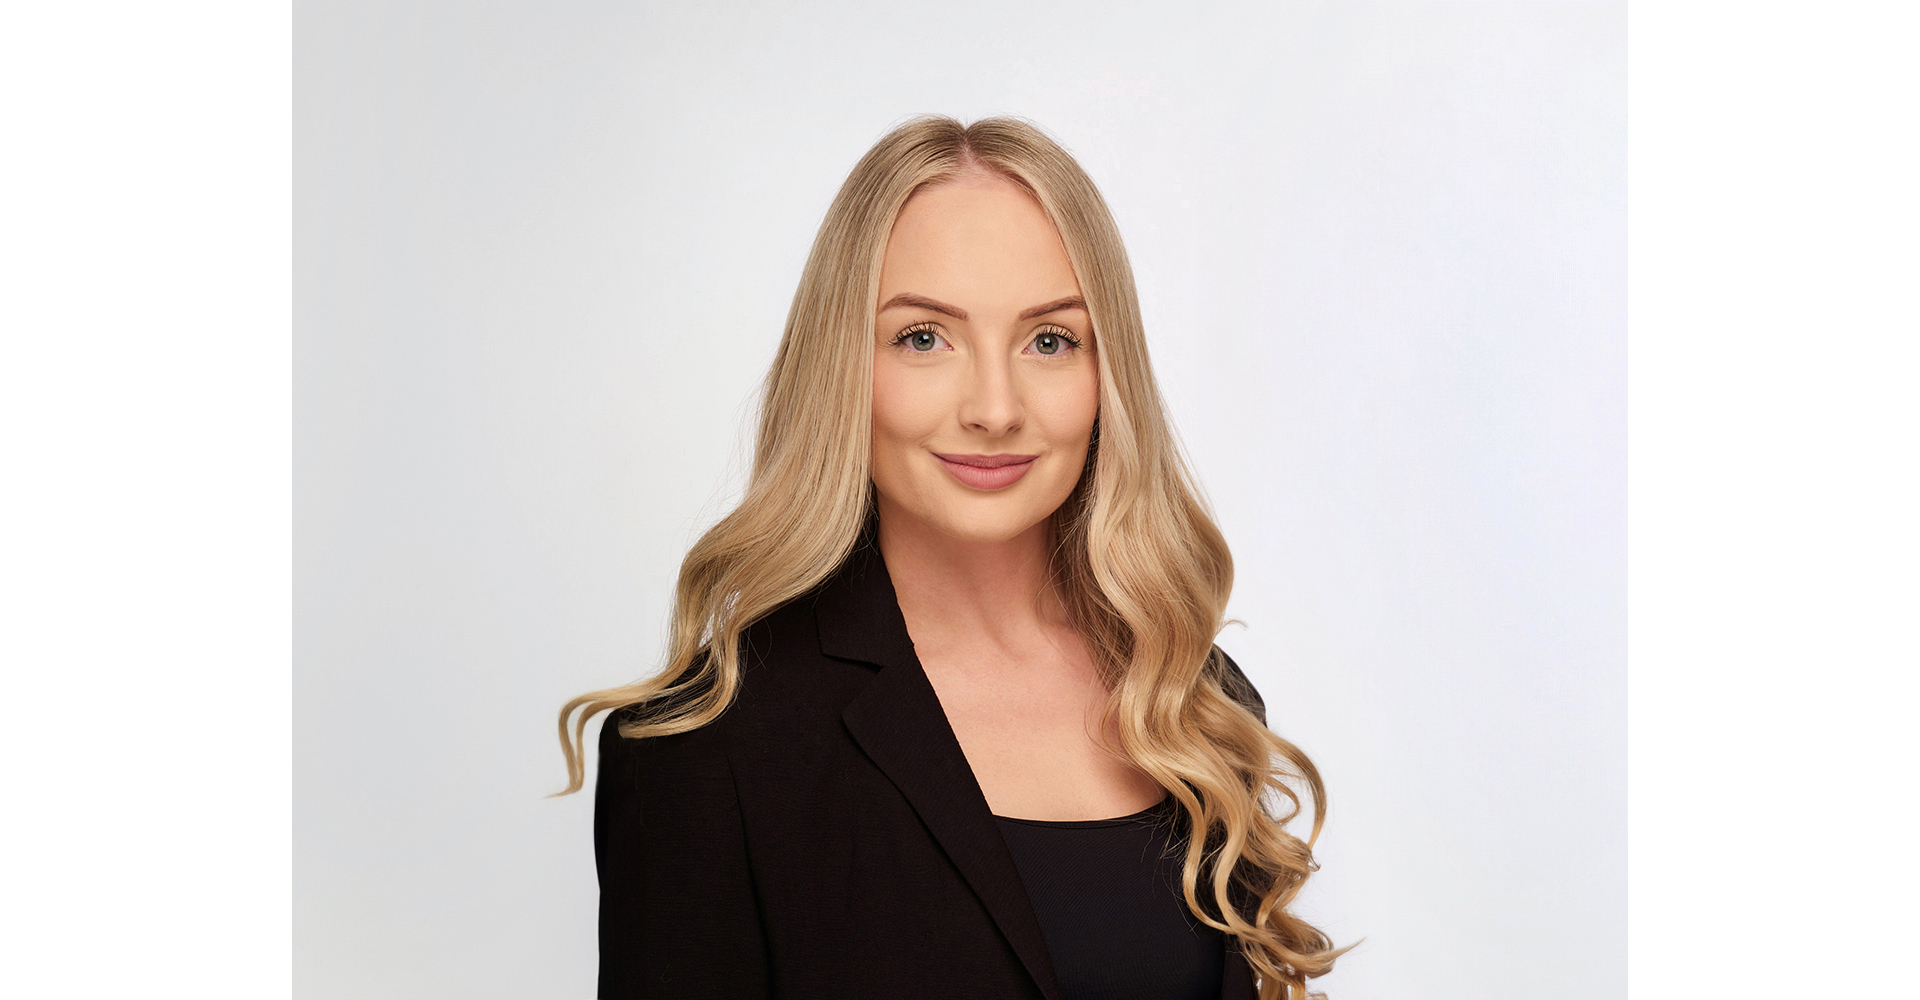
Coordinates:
544 251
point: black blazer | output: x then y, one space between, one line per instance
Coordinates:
824 838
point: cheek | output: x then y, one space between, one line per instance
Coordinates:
906 412
903 412
1067 411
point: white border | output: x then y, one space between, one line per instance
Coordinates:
1773 497
146 404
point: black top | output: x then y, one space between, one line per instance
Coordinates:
1107 892
825 837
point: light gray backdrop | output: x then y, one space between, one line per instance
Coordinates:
543 253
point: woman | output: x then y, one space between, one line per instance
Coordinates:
941 710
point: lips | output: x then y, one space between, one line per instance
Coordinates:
987 472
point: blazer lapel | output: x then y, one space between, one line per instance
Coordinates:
898 721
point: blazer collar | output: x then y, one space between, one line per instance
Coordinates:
898 721
858 615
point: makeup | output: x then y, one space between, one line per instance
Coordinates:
987 472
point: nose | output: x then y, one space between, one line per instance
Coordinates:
991 402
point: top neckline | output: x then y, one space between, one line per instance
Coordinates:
1148 813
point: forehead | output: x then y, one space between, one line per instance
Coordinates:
979 237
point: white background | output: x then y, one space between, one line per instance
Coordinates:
144 584
543 255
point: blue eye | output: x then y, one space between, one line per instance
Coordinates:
920 340
1052 343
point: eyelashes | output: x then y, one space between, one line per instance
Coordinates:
920 338
1052 342
925 338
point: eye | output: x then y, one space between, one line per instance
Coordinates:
921 340
1053 342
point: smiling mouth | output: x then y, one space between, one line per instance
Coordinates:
987 472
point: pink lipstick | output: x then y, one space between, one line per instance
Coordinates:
987 472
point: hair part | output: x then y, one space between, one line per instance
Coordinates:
1137 560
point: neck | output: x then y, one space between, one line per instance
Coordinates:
985 587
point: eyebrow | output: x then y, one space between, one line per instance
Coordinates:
1070 302
922 302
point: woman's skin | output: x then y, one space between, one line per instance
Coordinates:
975 360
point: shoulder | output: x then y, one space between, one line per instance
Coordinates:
1234 682
639 766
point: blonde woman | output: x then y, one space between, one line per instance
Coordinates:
941 714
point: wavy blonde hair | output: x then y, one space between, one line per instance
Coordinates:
1137 560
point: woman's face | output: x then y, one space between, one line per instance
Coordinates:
984 382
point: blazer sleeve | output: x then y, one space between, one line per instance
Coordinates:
1235 683
678 916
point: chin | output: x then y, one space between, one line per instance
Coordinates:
975 519
986 531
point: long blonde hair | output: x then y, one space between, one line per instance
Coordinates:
1138 562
